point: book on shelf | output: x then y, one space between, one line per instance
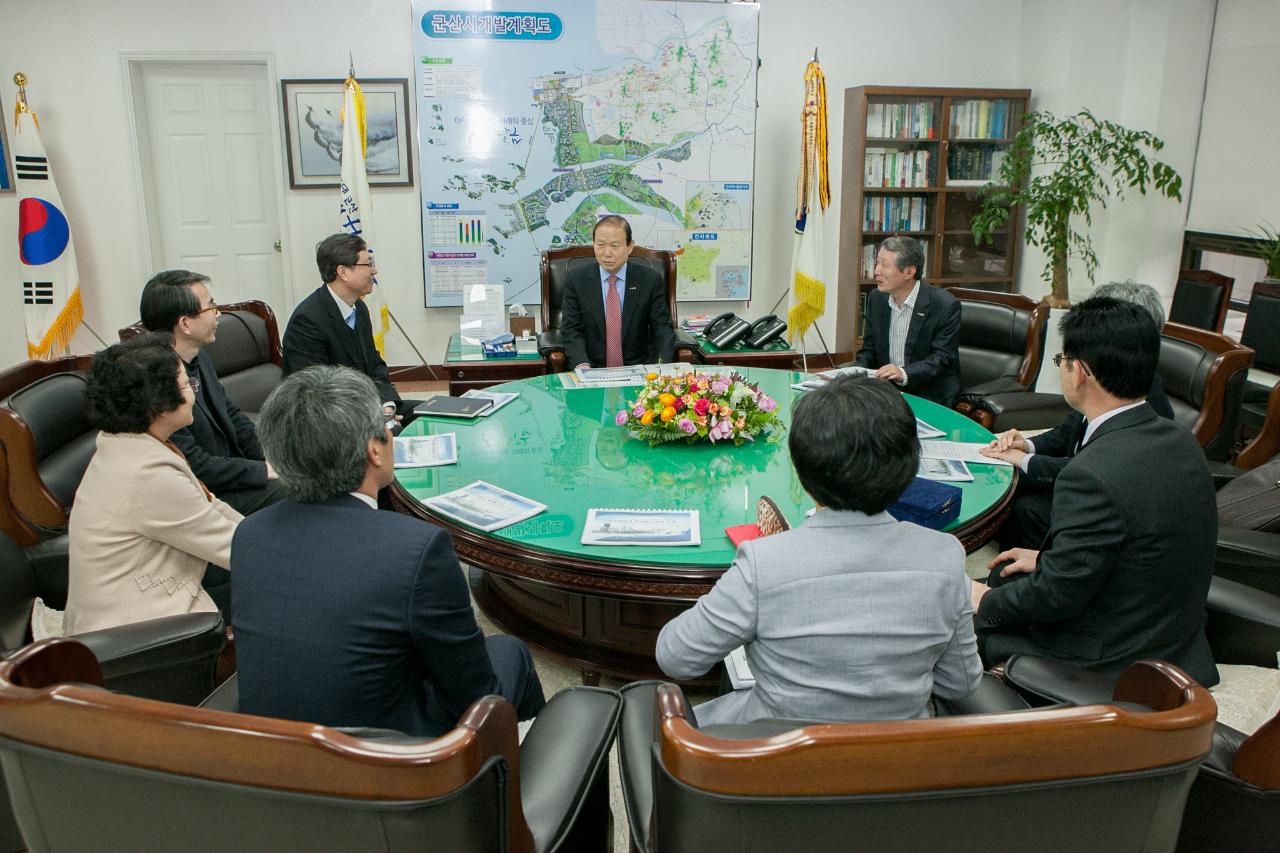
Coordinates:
974 165
912 120
980 119
894 213
888 167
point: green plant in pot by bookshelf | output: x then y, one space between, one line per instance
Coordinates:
1057 168
1268 249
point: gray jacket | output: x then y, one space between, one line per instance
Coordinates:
849 617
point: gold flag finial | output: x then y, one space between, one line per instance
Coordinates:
20 79
20 103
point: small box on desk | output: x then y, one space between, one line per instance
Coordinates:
520 326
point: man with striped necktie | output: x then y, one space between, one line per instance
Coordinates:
615 312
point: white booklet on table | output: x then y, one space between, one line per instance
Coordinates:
827 375
647 527
609 377
965 451
924 430
425 451
485 506
499 398
944 469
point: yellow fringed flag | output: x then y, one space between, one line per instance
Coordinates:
51 304
355 213
813 196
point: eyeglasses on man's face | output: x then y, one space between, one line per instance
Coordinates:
212 306
1059 358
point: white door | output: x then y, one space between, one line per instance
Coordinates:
208 164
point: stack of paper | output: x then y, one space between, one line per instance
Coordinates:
425 451
484 506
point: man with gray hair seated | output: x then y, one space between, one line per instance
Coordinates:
1041 459
346 615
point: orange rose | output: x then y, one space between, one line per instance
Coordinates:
646 418
668 413
666 399
649 377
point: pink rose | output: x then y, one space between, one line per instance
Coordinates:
719 386
702 406
767 404
637 412
687 426
620 419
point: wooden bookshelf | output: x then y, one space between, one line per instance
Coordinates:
914 161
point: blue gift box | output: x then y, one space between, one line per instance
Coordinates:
928 503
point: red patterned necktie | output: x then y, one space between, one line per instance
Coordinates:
613 325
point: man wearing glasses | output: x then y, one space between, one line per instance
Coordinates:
221 445
1125 569
332 325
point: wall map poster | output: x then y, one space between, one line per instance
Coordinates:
534 122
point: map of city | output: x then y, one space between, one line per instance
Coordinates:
533 124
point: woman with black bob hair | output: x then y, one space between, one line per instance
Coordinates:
144 528
853 615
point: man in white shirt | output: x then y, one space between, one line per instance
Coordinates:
911 331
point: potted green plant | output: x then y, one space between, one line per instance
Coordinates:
1057 168
1268 248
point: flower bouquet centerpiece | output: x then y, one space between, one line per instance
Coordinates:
700 407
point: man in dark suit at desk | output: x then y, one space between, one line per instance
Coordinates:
332 325
1125 570
1043 457
221 444
615 312
344 614
912 331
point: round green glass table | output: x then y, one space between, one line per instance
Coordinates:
603 606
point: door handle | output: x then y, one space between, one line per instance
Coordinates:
276 245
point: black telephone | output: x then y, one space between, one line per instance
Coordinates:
725 329
764 330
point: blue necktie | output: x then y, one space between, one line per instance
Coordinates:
351 321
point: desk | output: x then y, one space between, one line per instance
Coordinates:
467 367
603 606
776 354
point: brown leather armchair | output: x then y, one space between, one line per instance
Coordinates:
555 268
246 353
85 765
1201 299
47 444
970 783
1001 345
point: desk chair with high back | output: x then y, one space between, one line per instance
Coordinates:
1001 345
1111 776
556 267
1261 333
1235 801
1201 299
1203 374
86 767
246 352
47 443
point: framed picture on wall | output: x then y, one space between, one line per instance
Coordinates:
6 156
313 132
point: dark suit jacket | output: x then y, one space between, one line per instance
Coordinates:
933 343
1055 448
316 334
349 616
647 333
1129 556
221 445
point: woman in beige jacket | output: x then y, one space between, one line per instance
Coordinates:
143 528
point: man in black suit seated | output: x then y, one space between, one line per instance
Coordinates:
1041 459
1125 570
911 335
615 313
221 445
332 325
344 614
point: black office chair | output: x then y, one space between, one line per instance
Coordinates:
1201 299
1001 345
1261 333
1071 778
88 768
1235 801
556 267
